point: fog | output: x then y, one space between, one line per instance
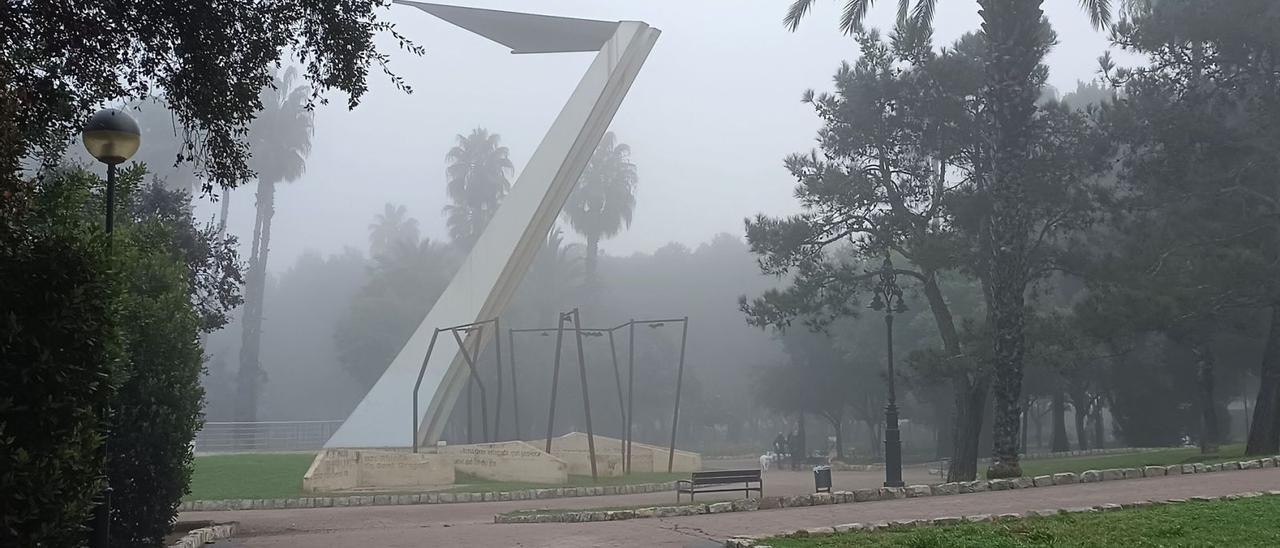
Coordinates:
710 118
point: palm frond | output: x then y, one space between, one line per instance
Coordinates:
795 13
855 12
923 14
1099 12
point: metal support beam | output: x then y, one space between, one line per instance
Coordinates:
631 383
555 382
586 397
675 417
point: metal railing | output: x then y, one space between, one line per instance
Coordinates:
218 437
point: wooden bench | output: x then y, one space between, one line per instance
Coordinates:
721 481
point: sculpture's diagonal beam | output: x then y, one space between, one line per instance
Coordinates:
492 272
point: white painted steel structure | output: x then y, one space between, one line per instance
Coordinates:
490 275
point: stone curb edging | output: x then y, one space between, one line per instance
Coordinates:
1085 453
197 538
878 466
897 525
422 498
884 493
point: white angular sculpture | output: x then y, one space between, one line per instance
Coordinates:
490 275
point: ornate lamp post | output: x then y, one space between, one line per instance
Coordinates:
888 297
111 136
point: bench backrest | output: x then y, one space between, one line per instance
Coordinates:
724 476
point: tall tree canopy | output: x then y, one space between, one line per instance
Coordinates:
477 180
281 141
604 199
1017 40
61 59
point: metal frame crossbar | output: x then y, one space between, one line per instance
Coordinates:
458 332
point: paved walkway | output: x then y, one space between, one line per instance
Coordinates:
472 525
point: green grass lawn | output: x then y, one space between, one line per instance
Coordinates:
1238 523
1162 457
249 476
279 475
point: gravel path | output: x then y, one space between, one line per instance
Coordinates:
471 525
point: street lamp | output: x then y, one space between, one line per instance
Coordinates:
888 297
112 137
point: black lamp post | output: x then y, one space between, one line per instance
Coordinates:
888 297
112 137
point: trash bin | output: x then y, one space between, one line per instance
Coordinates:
822 479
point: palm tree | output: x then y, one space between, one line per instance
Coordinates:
279 140
391 227
477 177
1016 46
605 198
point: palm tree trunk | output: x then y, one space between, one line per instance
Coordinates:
1012 28
1264 432
250 377
592 260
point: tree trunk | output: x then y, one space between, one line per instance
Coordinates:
1059 413
837 424
873 434
1012 28
1039 430
1026 425
222 219
591 261
1264 433
1099 431
971 404
1208 409
944 427
250 377
803 442
970 393
1082 434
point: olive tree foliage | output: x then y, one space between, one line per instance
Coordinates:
61 59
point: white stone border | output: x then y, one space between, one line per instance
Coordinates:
422 498
897 525
884 493
197 538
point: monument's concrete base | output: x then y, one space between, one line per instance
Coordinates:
345 469
507 461
574 449
394 468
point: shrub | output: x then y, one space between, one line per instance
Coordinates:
157 406
56 344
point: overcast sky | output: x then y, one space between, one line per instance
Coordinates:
710 118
